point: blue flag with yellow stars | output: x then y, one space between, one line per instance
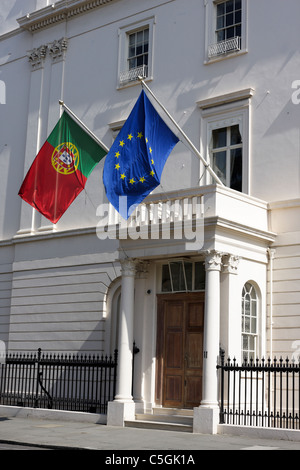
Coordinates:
135 162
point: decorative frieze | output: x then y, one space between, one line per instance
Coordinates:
58 12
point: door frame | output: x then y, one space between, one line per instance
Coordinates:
161 298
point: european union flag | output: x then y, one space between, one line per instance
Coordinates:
135 162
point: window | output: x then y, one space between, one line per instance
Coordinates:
135 57
183 276
225 131
226 156
229 20
226 28
138 48
249 322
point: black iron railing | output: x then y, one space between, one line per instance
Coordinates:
260 393
63 382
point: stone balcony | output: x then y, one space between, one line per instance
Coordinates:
189 221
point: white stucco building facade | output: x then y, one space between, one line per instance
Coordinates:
233 89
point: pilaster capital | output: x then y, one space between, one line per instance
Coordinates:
128 267
57 49
37 56
213 261
142 269
230 263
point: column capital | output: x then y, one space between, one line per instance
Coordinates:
213 260
230 263
128 266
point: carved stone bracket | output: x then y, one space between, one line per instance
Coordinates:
37 56
57 49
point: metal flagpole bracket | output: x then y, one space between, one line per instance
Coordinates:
61 102
194 149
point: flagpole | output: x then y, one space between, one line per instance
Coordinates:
84 126
211 171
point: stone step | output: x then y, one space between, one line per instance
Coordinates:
168 419
175 419
161 425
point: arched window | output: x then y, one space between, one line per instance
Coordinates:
249 322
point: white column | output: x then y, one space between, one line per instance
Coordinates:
207 415
140 333
123 407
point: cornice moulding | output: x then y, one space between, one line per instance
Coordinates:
58 12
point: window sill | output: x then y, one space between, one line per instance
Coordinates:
225 56
132 83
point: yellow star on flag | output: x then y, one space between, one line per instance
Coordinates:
117 166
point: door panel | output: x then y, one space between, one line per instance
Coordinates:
180 348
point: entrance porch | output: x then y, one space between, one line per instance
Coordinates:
179 334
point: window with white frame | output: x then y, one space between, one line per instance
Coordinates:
249 322
136 49
226 26
225 140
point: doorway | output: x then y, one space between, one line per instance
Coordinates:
180 320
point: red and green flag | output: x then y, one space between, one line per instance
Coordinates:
61 168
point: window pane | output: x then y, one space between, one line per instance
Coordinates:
166 281
229 6
199 276
238 4
238 17
221 35
221 9
131 51
219 138
177 276
235 137
132 64
230 33
219 165
188 268
253 325
220 22
236 169
132 39
229 19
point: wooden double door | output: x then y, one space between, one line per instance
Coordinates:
179 350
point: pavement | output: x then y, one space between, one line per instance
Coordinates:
115 442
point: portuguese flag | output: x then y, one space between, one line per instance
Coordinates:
61 168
